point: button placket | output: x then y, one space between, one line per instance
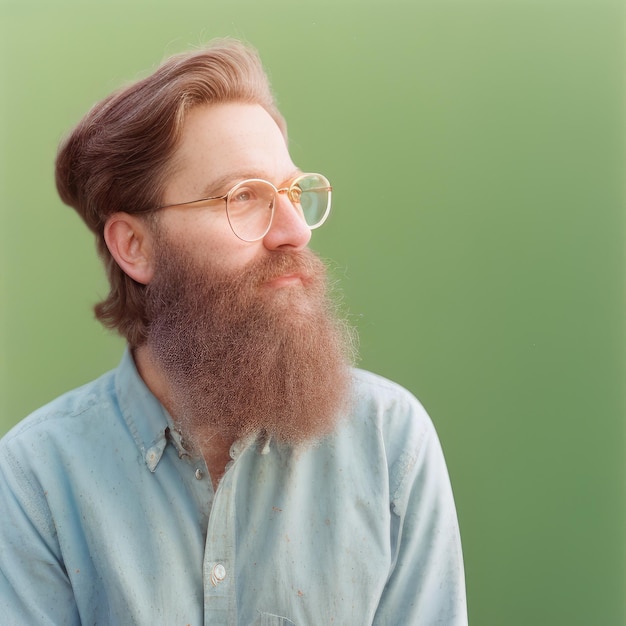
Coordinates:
219 564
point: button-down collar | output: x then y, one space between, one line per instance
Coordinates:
150 423
147 419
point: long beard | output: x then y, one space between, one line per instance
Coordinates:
241 358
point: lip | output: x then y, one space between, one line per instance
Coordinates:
285 280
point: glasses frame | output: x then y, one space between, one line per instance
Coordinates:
293 192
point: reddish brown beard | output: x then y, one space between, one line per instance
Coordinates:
243 358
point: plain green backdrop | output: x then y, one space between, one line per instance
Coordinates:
476 150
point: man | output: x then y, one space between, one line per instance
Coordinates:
234 469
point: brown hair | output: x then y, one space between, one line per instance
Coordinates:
119 155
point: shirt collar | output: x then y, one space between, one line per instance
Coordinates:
148 421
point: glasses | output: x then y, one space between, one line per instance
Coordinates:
250 204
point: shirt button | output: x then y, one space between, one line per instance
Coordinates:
218 574
199 474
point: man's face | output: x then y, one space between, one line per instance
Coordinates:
245 333
222 145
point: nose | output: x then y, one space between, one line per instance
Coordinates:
288 229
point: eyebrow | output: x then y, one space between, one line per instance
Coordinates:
226 182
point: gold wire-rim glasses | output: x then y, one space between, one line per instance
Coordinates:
314 218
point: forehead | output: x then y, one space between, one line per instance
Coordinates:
228 140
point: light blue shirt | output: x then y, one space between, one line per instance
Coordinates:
106 520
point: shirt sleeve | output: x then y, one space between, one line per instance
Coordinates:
34 586
427 582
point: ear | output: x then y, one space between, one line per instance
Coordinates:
129 240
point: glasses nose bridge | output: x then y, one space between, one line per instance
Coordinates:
292 192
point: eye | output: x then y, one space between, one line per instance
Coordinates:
243 194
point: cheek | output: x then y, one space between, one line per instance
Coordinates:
208 238
197 231
222 251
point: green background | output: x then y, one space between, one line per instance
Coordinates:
476 149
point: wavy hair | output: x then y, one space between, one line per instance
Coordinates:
119 156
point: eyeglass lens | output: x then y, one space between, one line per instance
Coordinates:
250 204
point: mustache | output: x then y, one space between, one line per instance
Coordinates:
304 263
176 277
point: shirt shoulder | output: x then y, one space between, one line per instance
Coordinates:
87 402
407 436
115 409
393 409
